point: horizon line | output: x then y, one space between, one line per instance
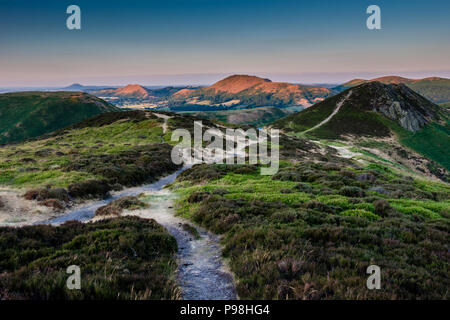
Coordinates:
344 77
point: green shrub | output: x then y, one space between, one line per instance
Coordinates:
124 258
191 230
299 249
302 187
89 189
117 206
365 206
382 207
198 196
349 191
316 205
419 211
360 213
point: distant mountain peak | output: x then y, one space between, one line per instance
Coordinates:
237 83
134 90
74 86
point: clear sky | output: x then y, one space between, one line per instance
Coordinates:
200 41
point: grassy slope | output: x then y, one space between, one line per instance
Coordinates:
307 118
350 119
432 141
275 229
124 258
110 146
437 91
30 114
310 231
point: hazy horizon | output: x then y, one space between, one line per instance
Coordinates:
198 42
208 79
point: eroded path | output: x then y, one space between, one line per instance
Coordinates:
336 110
166 118
202 274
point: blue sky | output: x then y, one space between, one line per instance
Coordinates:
200 41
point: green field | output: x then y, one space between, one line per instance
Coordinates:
102 153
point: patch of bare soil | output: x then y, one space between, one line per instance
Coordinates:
17 211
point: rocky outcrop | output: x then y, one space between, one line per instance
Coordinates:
399 103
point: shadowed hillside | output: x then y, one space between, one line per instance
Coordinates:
27 115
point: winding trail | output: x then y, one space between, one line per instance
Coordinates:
202 274
336 110
166 118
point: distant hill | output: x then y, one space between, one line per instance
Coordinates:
130 91
80 87
251 91
433 88
75 87
375 109
138 92
26 115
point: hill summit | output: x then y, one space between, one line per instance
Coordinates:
433 88
249 90
238 83
360 110
396 102
132 90
378 111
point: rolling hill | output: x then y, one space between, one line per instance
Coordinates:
133 95
250 91
378 110
433 88
83 88
130 91
308 232
25 115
